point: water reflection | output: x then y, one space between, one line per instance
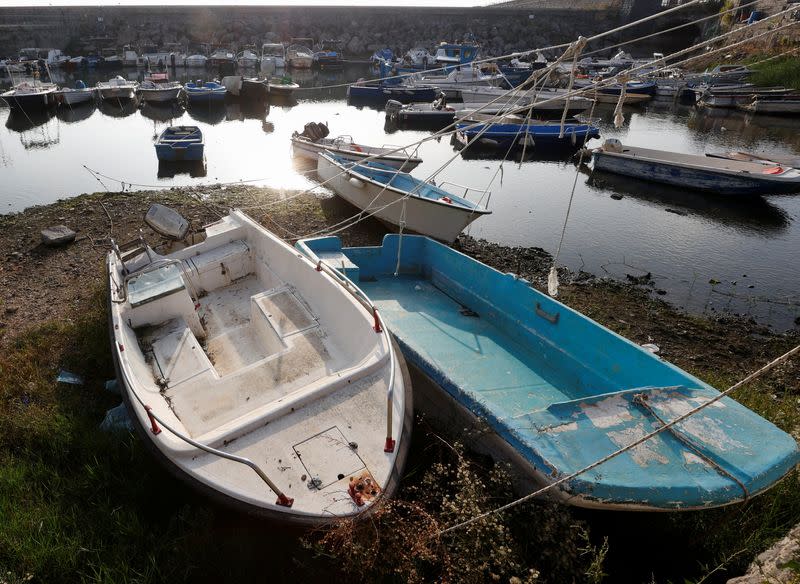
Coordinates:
754 214
162 112
194 168
245 110
211 113
118 108
22 121
76 113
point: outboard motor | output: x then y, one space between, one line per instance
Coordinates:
393 107
315 131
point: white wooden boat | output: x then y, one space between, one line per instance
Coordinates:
345 147
117 88
258 376
74 96
703 173
281 86
160 92
396 197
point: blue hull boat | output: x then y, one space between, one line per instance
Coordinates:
379 94
533 134
180 143
209 91
561 390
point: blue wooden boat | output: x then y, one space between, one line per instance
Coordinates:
641 87
180 143
533 134
204 92
380 93
560 390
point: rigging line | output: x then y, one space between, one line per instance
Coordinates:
755 375
524 53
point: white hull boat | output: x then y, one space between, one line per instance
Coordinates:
715 175
196 61
76 96
344 147
117 88
259 377
457 79
396 197
299 57
159 92
247 59
273 57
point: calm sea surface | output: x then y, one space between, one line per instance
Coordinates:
686 240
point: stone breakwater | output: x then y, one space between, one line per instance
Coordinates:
79 30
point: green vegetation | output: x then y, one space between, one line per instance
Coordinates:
784 71
80 505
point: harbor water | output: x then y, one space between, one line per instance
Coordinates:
705 253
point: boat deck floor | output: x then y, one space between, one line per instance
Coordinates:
260 346
495 371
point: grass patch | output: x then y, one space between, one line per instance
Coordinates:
784 71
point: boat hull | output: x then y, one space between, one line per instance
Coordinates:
353 407
534 138
311 151
438 220
300 62
30 102
560 403
160 95
381 94
117 92
691 178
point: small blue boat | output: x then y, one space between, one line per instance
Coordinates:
204 92
180 143
642 87
559 390
531 134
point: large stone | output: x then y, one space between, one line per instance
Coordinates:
775 565
57 235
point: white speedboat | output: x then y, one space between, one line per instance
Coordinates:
273 57
247 59
299 56
74 96
344 147
398 198
117 88
258 376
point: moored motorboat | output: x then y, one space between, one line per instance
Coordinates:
398 198
547 103
313 140
535 136
180 143
247 58
329 56
153 91
257 376
299 54
273 57
203 92
554 392
73 96
378 93
197 60
117 88
31 96
282 86
710 174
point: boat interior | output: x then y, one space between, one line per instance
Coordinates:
235 330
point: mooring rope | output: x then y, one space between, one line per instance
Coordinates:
755 375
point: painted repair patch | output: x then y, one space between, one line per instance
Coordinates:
643 454
609 412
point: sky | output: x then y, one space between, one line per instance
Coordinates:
451 3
